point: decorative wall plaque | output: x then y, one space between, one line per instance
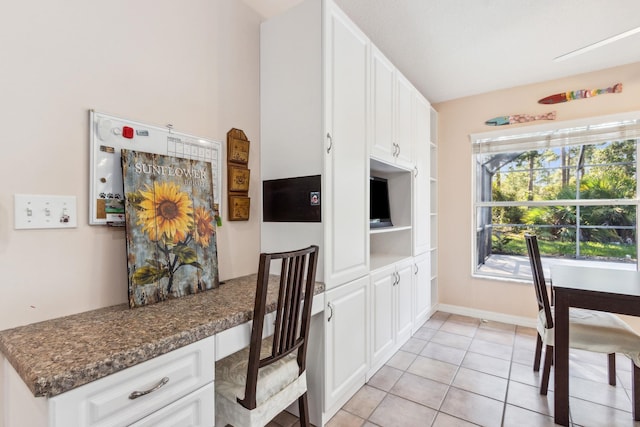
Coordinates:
237 147
239 208
238 175
238 179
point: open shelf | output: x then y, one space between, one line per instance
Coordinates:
389 229
389 245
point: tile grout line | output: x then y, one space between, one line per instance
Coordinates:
506 392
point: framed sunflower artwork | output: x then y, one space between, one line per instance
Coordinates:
170 227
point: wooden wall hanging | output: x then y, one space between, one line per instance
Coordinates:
519 118
579 94
238 175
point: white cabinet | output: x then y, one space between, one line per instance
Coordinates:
345 181
391 310
346 342
404 140
421 290
314 96
391 100
177 385
194 410
422 182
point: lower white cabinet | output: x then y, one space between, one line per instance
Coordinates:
346 344
391 310
194 410
174 389
421 290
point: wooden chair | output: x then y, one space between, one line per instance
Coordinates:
260 381
588 330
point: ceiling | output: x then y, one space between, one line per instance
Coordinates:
455 48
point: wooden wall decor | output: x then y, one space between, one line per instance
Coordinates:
579 94
238 175
238 179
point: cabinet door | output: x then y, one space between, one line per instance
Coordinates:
403 291
346 341
345 211
422 290
403 130
193 410
382 82
421 189
382 321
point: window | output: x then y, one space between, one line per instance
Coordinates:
573 184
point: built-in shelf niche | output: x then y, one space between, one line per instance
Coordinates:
391 244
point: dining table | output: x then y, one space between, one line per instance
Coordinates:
594 288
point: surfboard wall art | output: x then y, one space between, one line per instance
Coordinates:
519 118
579 94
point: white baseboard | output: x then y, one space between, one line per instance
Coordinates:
488 315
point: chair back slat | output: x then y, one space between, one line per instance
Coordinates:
293 313
539 282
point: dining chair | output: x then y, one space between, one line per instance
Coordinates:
588 330
254 385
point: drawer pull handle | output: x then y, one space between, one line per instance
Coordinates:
331 308
137 394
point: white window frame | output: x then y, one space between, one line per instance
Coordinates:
552 134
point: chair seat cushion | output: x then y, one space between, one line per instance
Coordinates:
595 331
231 374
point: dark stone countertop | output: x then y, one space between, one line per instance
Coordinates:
57 355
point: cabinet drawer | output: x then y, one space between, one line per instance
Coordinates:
194 410
107 402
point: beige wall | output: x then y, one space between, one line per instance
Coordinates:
194 64
458 119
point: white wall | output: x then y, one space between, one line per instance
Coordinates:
465 116
193 63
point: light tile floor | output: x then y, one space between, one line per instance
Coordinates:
463 371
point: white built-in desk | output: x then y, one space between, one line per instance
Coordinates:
81 370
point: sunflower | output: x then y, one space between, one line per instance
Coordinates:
164 211
204 226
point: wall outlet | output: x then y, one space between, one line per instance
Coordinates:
42 211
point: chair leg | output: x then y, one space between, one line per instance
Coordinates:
536 359
635 396
612 369
303 407
546 370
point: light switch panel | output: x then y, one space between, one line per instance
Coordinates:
43 211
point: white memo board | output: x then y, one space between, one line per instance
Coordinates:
110 134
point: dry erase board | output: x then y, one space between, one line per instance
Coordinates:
110 134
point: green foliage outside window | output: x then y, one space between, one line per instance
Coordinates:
597 172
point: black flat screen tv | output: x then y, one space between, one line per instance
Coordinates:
379 211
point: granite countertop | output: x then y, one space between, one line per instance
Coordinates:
58 355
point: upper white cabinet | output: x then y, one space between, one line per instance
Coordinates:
422 175
404 140
345 182
382 101
391 100
314 72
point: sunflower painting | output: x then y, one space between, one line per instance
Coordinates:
171 235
